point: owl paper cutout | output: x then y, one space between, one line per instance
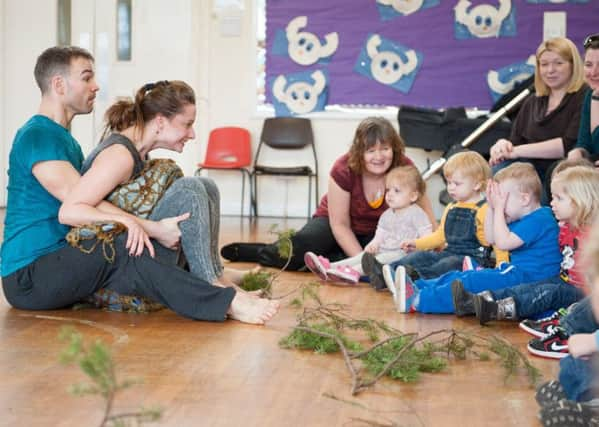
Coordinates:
304 47
388 63
493 19
300 93
504 79
389 9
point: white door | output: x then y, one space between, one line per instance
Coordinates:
161 45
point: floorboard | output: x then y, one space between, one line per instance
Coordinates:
232 374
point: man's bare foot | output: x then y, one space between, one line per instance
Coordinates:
249 309
233 278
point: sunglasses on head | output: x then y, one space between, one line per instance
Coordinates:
593 39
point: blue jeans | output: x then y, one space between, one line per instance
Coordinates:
577 378
537 297
580 318
459 229
435 294
431 264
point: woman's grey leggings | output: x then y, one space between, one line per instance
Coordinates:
199 234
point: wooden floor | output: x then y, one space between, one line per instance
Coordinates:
232 374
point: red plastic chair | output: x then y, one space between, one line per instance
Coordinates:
230 148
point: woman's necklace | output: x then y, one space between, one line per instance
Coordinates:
374 191
378 200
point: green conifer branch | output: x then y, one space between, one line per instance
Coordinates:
96 362
322 327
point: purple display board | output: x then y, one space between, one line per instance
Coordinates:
452 68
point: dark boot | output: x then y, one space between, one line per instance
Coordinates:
245 252
374 270
487 311
463 301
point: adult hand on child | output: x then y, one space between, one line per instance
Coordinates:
501 151
580 345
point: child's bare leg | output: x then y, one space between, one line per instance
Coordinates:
248 309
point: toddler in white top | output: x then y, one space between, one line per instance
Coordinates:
403 220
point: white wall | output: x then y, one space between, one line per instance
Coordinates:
24 36
178 39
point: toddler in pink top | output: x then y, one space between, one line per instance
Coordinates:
403 220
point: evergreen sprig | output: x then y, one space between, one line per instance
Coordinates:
318 343
284 242
404 356
96 362
263 280
256 281
408 368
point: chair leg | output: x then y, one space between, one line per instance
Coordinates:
255 196
251 211
309 195
242 190
316 192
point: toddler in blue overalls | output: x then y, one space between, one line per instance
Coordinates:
461 232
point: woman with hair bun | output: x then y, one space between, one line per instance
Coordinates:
162 116
187 215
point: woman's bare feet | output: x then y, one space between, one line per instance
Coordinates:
249 309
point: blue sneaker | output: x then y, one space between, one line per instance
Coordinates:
405 293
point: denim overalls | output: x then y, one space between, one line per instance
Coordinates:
460 235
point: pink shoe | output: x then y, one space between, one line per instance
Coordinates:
469 264
317 264
343 274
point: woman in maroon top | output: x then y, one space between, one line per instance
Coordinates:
347 216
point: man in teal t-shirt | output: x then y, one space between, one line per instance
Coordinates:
30 226
45 159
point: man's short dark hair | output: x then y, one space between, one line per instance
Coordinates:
56 60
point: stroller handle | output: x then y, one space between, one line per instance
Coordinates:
437 165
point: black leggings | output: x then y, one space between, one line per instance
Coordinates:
66 276
316 236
